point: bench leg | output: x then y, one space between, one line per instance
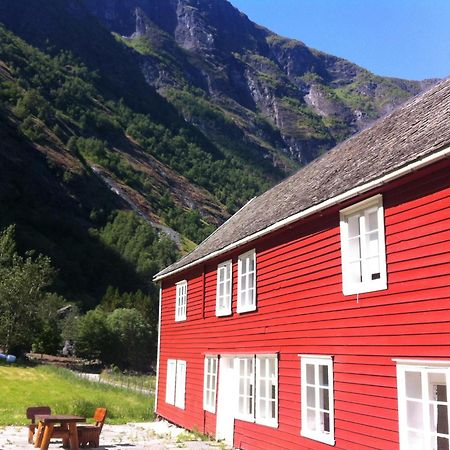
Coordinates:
48 431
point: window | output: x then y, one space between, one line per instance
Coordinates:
246 391
258 389
267 390
180 384
246 282
423 405
210 384
181 301
363 247
223 295
317 398
176 383
170 381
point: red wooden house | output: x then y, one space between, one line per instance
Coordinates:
319 314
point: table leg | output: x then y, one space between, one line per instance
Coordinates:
73 436
48 431
39 434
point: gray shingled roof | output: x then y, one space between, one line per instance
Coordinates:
417 129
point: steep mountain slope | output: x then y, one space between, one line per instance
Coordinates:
214 64
176 111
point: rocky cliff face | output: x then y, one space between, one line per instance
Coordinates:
311 100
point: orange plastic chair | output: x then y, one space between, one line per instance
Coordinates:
89 435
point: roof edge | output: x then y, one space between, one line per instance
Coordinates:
427 160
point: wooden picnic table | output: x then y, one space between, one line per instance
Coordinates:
67 429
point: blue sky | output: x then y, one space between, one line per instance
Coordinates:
401 38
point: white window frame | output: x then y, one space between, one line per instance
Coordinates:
170 381
210 383
327 437
251 392
248 391
367 284
176 383
250 297
224 279
426 369
180 385
181 301
268 399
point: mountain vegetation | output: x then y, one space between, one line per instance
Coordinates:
130 130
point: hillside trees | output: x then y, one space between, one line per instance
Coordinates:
24 299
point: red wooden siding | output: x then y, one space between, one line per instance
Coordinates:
301 310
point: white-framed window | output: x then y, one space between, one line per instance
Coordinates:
363 247
176 383
423 404
170 381
210 384
246 389
258 389
246 300
223 294
266 411
317 401
180 384
181 301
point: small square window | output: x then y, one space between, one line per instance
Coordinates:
363 247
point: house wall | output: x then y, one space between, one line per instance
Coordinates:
301 310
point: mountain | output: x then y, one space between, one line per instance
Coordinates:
130 129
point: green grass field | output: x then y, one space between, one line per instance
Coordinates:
22 386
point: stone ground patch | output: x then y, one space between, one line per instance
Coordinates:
159 435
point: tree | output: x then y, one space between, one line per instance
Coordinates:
134 338
23 283
94 339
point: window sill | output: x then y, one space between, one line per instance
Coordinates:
178 319
325 438
267 423
247 309
210 410
364 288
223 313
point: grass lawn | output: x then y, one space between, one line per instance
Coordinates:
23 386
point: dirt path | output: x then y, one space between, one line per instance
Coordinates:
133 436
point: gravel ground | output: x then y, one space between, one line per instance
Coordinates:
133 436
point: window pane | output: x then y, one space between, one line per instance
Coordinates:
311 419
325 421
309 373
442 443
372 244
355 272
441 393
310 396
323 375
353 225
372 221
251 264
354 249
413 384
442 419
414 414
324 399
415 441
